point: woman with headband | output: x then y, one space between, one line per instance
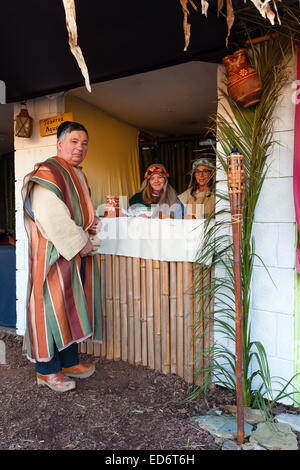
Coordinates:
156 197
198 199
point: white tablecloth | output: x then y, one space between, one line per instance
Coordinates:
164 240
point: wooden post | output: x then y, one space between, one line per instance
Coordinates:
235 173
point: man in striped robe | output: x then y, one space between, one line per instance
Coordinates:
63 298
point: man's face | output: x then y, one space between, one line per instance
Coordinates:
73 148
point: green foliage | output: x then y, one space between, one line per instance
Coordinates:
289 14
252 132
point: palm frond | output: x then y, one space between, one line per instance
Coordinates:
252 132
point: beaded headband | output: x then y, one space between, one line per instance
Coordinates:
155 169
202 161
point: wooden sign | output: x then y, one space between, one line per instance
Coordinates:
49 125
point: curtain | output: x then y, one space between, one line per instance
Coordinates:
177 156
112 161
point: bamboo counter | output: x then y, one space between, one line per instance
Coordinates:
149 311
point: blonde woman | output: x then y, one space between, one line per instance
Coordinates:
156 197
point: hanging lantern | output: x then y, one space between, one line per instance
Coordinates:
23 123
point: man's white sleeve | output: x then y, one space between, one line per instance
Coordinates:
54 221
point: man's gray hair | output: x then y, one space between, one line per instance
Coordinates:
67 127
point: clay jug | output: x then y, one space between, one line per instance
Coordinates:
112 207
243 82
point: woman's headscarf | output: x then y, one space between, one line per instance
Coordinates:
204 162
168 197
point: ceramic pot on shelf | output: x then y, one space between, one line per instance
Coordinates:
244 85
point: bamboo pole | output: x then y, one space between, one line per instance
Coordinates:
188 322
97 346
165 318
207 301
180 321
109 308
103 303
210 308
89 347
130 311
235 173
173 310
116 306
150 310
137 310
97 349
144 313
124 308
199 330
260 39
157 315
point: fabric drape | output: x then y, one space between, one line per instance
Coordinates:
60 309
112 161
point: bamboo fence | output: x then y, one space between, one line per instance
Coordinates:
149 311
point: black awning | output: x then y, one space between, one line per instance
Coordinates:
117 37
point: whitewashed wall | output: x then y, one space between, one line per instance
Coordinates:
272 306
27 153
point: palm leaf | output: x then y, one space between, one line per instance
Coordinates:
252 131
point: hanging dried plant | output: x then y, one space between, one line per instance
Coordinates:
229 18
69 6
186 24
263 7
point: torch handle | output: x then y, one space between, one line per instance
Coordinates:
235 189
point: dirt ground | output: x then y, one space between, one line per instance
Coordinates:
120 407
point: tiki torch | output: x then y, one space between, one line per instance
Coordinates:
235 173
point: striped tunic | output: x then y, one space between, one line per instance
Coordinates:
61 308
